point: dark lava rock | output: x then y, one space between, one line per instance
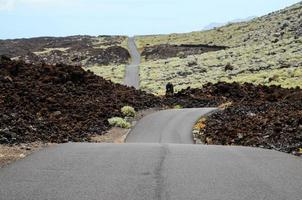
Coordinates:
260 116
59 103
164 51
78 50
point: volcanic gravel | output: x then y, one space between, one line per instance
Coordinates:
164 51
260 116
59 103
79 50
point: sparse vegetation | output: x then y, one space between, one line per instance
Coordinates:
198 128
49 50
178 106
103 42
260 30
73 50
266 50
128 111
119 122
115 73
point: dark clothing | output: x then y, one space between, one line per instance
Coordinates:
169 89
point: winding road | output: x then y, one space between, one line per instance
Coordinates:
154 171
158 162
132 70
169 126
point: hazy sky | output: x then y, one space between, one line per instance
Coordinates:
30 18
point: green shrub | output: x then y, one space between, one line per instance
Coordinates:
178 107
128 111
119 122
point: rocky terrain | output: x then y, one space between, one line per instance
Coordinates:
59 103
73 50
164 51
258 116
62 103
266 50
47 97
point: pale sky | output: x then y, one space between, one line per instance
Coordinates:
32 18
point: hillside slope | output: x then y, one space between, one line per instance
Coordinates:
266 50
104 55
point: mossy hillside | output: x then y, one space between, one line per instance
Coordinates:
266 50
253 63
103 42
115 73
48 50
98 42
278 25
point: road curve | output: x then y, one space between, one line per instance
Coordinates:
132 70
152 172
168 126
158 162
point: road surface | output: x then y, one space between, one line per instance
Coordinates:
152 172
169 126
159 163
132 70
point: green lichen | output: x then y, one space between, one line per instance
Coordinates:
263 51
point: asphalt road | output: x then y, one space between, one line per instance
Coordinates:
152 171
132 70
159 163
169 126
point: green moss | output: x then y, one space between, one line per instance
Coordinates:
103 42
48 50
262 51
114 73
258 31
250 64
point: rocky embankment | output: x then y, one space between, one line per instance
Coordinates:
59 103
165 51
73 50
257 116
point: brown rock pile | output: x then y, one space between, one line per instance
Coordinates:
59 103
260 116
72 50
164 51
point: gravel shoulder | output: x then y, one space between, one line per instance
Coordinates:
118 135
11 153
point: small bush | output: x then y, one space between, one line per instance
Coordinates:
119 122
178 107
128 111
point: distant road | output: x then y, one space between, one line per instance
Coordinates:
168 126
132 70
